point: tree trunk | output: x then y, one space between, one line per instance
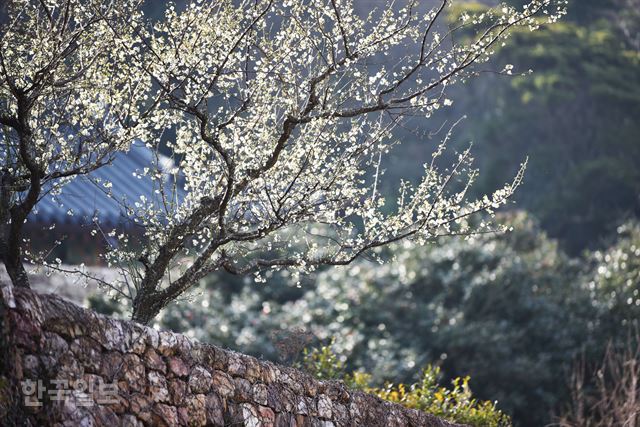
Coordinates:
11 221
11 255
16 271
146 307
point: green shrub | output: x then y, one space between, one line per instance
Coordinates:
456 404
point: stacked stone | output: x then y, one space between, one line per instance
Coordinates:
166 379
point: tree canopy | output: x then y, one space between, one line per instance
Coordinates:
282 113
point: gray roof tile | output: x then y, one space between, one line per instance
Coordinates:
86 198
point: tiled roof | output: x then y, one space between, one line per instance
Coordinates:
83 198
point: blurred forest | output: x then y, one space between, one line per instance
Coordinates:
515 311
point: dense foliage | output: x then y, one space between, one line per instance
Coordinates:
488 307
455 404
576 119
586 90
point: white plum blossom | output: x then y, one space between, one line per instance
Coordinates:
278 116
283 112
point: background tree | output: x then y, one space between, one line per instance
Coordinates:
69 99
282 113
486 307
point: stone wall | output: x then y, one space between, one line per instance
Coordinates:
66 366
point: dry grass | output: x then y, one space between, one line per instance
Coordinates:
610 397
